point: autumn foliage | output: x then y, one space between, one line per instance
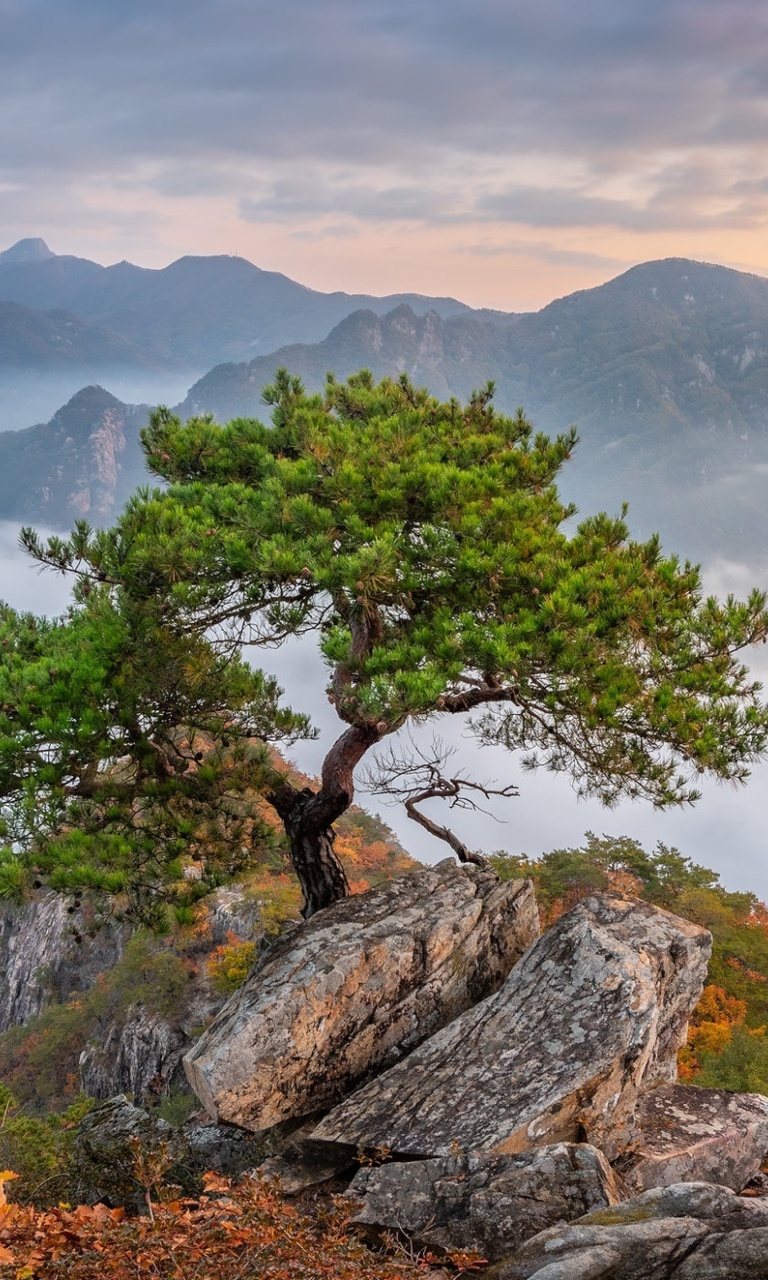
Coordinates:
243 1231
710 1028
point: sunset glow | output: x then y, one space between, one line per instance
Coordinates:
490 151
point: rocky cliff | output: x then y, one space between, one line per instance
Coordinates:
135 1003
85 462
50 949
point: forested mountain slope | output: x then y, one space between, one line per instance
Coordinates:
664 370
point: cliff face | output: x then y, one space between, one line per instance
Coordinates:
48 952
132 1036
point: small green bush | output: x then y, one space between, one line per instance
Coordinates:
39 1150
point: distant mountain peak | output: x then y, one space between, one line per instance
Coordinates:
89 400
33 249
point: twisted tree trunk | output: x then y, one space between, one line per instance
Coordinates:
308 818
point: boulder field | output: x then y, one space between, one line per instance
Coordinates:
510 1093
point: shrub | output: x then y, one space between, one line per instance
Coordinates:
229 964
39 1150
233 1232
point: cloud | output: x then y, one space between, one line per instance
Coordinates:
546 251
362 119
371 81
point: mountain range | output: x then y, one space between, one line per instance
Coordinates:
664 370
142 331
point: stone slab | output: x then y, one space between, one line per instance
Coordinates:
686 1134
350 991
593 1014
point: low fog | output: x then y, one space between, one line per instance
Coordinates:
27 399
724 831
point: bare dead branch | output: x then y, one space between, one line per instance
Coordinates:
418 776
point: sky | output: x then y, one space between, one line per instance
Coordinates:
497 151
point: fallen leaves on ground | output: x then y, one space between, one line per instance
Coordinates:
243 1231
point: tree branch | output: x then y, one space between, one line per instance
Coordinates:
418 777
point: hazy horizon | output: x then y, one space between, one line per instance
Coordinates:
501 153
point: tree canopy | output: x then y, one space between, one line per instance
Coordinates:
426 547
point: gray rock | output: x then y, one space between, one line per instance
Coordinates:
117 1121
488 1204
741 1255
351 990
691 1231
705 1135
634 1251
718 1206
141 1054
105 1151
203 1146
664 1249
592 1014
49 950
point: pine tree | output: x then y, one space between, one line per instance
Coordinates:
426 548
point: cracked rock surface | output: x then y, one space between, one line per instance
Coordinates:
349 991
593 1014
690 1231
489 1204
704 1135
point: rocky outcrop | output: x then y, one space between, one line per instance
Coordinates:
351 990
683 1232
682 1133
142 1053
593 1014
105 1148
105 1164
49 950
487 1204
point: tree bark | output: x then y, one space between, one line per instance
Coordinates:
308 818
321 876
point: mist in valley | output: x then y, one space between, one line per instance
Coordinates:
27 399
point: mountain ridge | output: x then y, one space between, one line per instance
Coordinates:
664 370
247 308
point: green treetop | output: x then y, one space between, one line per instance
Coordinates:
426 547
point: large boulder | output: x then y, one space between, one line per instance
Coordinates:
487 1204
594 1013
690 1231
353 989
684 1134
